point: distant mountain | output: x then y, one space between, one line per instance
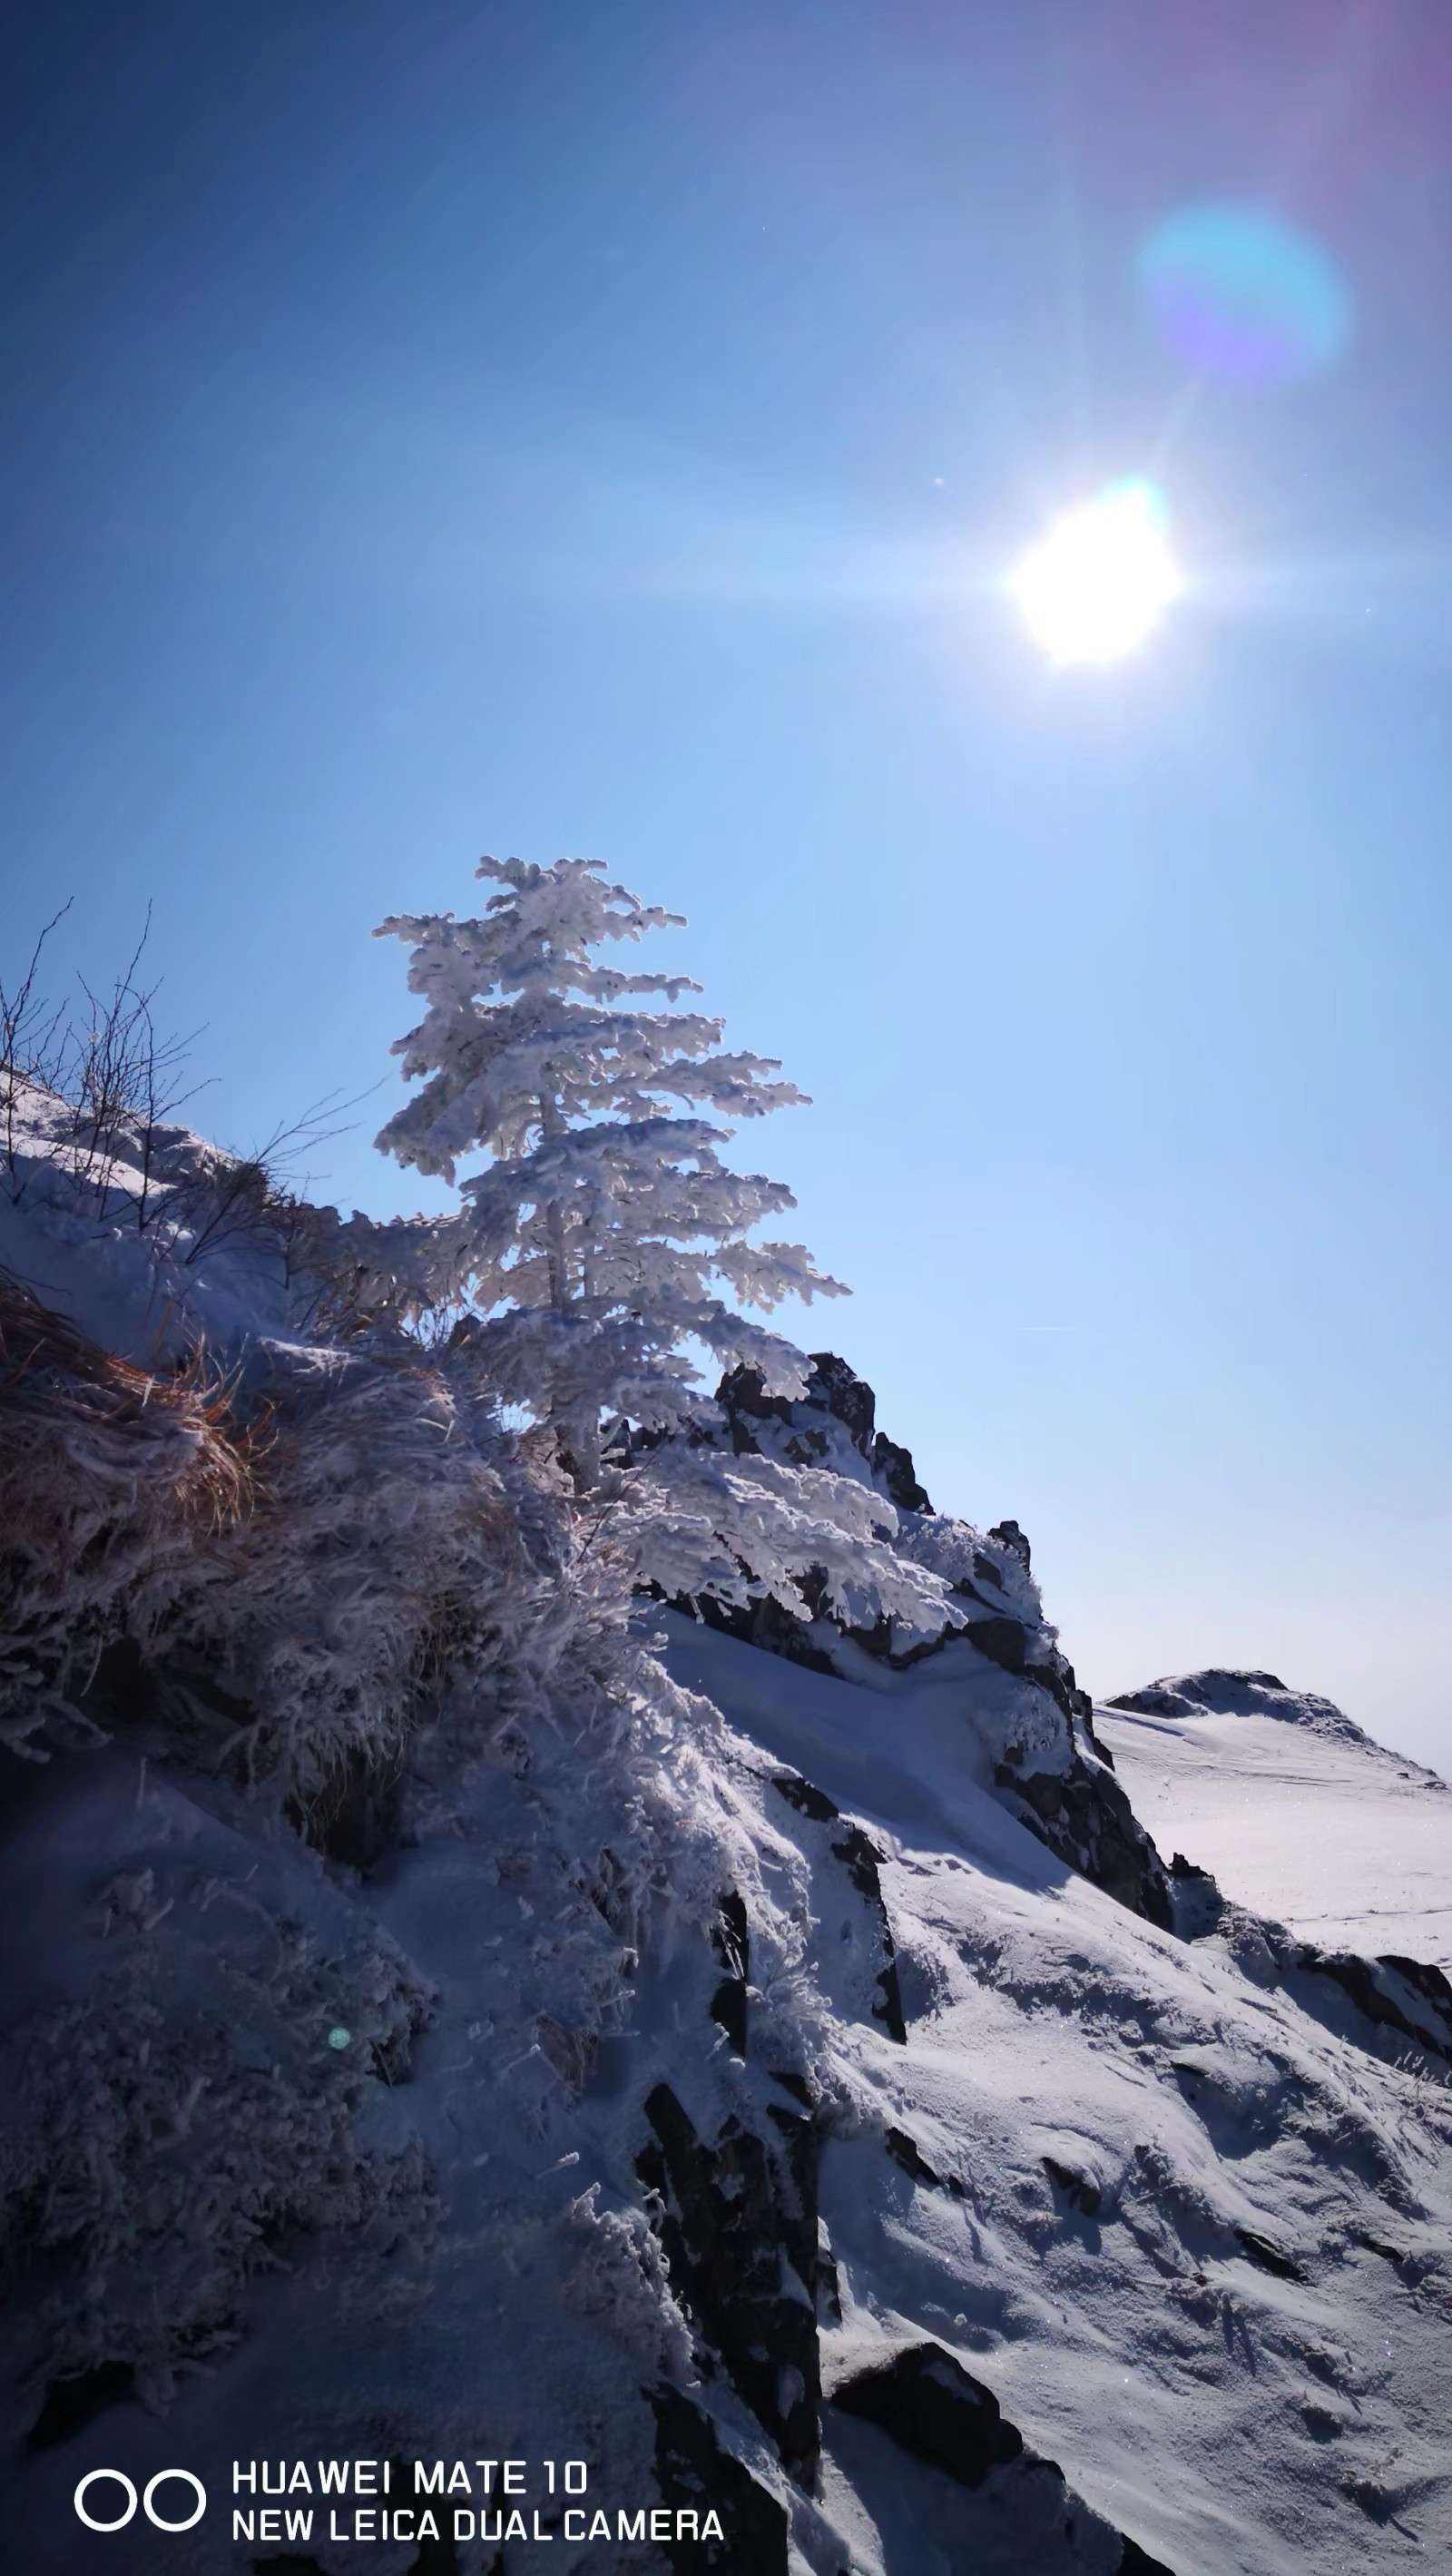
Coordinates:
1220 1693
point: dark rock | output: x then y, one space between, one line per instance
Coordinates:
829 2287
935 2409
1134 2561
732 2215
1196 1900
1428 1981
797 2085
861 1859
1420 2015
1076 2187
764 1624
731 1941
1003 1640
892 1467
807 1800
1192 1693
904 2152
1006 1642
836 1391
696 2473
1008 1534
1368 1983
937 2412
1085 1819
1269 2257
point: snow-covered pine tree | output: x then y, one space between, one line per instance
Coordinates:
602 1234
605 1235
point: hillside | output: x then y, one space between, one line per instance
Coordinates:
465 2010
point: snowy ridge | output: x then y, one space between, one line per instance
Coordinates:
1297 1812
1218 1693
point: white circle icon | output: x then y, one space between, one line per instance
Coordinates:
160 2479
158 2521
122 2519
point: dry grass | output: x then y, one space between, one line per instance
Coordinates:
109 1475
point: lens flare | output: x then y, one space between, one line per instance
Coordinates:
1239 295
1100 578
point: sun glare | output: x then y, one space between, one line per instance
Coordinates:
1100 578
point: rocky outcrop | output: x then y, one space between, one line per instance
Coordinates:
1403 1997
1008 1534
1085 1819
1396 2003
695 2472
861 1859
737 2219
731 1941
937 2413
1084 2195
936 2409
1078 1811
807 1430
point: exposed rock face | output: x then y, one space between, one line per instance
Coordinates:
732 1944
806 1432
1402 1996
939 2414
1395 2001
695 2472
1076 2187
934 2408
1084 1817
861 1859
1009 1534
738 2223
766 1625
1079 1812
906 2152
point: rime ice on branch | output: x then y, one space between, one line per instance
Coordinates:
605 1232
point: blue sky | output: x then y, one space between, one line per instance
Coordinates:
601 429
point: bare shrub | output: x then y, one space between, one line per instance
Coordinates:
116 1072
31 1048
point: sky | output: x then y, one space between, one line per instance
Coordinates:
603 427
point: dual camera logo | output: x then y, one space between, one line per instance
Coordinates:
158 2521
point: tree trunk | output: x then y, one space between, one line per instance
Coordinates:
553 1124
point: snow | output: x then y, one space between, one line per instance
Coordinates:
1192 2239
1297 1813
1187 2392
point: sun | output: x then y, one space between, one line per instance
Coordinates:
1100 578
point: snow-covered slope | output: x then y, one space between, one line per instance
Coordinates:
462 2013
1154 2185
1297 1812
